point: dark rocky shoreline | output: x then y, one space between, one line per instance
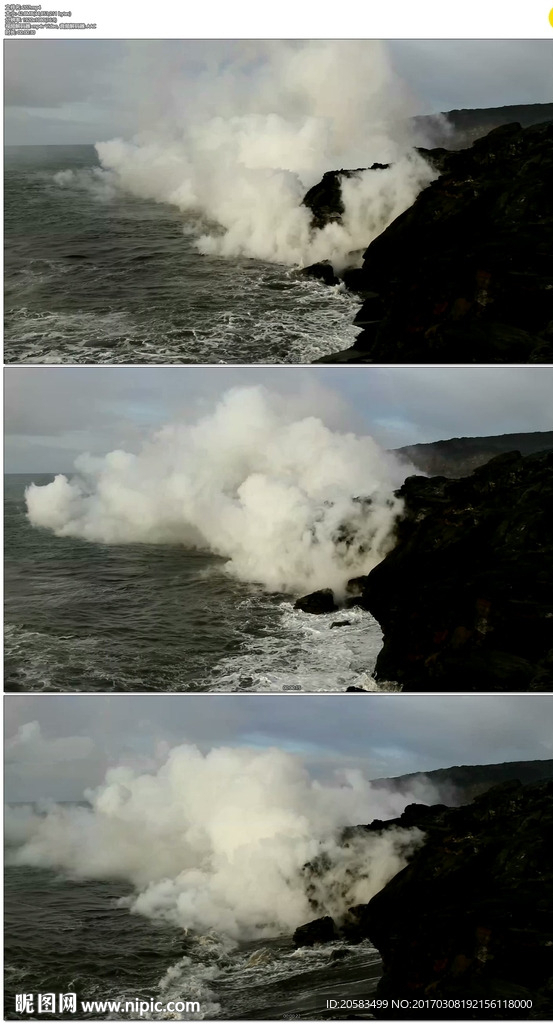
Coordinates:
465 597
466 274
471 916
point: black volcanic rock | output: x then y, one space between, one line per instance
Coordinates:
321 930
355 281
471 916
322 271
325 198
320 602
465 598
466 274
371 311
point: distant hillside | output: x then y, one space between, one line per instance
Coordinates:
460 456
456 129
462 783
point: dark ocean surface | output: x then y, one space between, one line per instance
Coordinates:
67 936
105 618
94 276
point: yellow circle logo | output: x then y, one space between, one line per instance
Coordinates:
551 17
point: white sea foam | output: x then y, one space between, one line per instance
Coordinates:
306 653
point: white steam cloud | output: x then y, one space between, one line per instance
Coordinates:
293 505
239 143
219 841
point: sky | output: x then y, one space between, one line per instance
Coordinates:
85 91
54 414
58 745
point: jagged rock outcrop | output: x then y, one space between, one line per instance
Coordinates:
465 275
322 929
471 916
465 598
322 271
325 198
320 602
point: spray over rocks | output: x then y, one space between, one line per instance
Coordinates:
291 504
223 841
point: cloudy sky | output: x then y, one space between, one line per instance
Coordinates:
53 414
84 91
58 745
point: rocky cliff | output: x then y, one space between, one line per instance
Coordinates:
465 275
465 598
471 916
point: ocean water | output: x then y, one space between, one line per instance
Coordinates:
110 618
92 276
65 936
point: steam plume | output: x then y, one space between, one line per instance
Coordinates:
293 505
237 145
220 841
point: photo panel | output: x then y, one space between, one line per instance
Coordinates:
279 857
295 529
279 201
